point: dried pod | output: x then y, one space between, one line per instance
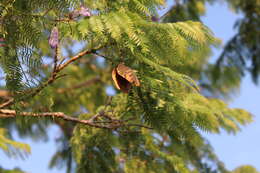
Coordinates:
128 74
124 77
54 38
84 11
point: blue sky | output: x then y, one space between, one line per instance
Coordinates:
243 148
232 150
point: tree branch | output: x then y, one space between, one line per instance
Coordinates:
103 56
81 54
55 60
5 94
7 103
7 113
113 124
52 78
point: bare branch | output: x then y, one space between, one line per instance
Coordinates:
81 54
7 103
5 94
103 56
113 124
7 113
140 125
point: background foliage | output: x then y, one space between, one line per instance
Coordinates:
170 55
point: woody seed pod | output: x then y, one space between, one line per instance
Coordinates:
124 77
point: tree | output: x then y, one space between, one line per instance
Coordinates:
57 57
242 51
245 169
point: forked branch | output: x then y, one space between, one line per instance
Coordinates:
52 78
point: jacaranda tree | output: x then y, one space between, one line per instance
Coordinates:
130 89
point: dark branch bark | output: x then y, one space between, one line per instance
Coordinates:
7 113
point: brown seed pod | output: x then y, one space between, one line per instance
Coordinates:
124 77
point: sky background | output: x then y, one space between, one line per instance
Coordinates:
241 149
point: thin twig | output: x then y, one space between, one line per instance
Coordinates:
103 56
55 62
64 20
7 103
46 12
140 125
96 116
81 54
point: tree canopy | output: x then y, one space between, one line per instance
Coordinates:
130 89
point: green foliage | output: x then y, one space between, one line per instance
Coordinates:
12 148
245 169
164 117
242 50
16 170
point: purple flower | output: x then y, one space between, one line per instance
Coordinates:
84 11
54 38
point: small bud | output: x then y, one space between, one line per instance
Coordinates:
84 11
2 42
155 19
54 38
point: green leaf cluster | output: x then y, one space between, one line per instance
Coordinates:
12 148
166 115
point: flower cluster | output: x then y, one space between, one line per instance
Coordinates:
84 11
